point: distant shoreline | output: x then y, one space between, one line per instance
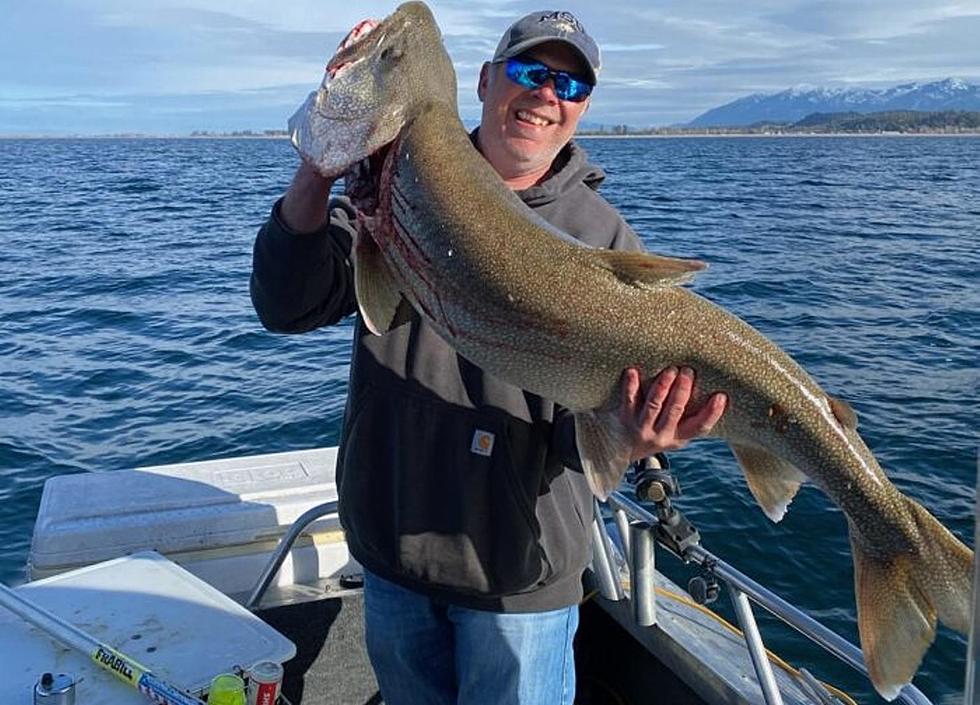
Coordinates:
581 136
794 135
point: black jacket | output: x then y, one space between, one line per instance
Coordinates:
452 482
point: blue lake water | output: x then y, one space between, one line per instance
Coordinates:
128 337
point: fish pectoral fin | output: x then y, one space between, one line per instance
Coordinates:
895 619
604 449
645 268
378 297
844 413
772 481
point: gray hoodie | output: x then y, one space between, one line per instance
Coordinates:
452 482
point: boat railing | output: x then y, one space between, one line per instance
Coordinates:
639 530
972 689
282 550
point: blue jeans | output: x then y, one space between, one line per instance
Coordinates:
427 653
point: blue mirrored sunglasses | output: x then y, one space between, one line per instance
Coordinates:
534 74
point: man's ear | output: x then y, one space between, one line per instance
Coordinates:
481 85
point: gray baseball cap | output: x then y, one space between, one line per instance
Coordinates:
550 26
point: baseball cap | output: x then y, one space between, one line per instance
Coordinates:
550 26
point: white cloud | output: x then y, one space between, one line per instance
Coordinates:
661 63
644 83
614 47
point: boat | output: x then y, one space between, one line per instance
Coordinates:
205 567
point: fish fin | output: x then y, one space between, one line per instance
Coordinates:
377 296
403 314
900 597
895 621
772 481
945 555
844 413
603 448
646 268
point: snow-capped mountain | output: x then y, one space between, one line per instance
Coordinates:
796 103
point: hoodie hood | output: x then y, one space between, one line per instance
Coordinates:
570 168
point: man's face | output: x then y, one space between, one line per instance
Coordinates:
523 129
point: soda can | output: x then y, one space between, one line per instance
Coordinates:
264 682
54 689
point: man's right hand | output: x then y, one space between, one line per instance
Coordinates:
304 207
658 418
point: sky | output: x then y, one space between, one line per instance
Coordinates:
176 66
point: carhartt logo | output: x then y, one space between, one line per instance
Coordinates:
563 21
482 443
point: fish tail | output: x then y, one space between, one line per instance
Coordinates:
901 596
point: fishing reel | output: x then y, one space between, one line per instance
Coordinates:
654 483
704 589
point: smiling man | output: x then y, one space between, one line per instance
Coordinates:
462 496
525 122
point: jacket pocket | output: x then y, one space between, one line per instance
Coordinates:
431 491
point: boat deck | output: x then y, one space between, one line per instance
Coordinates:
689 658
331 665
221 520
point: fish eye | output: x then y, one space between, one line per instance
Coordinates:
391 54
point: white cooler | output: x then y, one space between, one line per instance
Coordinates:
148 608
219 519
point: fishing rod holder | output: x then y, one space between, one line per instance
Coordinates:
744 591
653 482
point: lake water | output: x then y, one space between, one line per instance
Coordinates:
128 337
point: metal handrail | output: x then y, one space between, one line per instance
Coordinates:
972 690
740 585
282 550
738 582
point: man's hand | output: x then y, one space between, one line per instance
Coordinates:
658 418
304 208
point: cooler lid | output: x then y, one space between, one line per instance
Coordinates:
91 517
145 606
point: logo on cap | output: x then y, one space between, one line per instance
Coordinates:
563 21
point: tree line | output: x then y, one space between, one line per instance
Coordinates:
893 121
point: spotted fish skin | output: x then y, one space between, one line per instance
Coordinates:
527 304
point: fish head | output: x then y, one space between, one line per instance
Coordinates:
380 77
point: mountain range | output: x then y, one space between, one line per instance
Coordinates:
796 103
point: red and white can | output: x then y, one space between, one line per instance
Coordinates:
264 682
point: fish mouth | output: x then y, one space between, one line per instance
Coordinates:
362 182
366 38
353 94
353 48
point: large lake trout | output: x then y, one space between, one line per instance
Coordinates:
526 303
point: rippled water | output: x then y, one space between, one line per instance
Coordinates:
128 336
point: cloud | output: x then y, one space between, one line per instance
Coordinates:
870 19
664 63
614 47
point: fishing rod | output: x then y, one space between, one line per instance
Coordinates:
120 665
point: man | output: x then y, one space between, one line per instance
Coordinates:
462 496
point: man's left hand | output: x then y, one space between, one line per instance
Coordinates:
658 418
